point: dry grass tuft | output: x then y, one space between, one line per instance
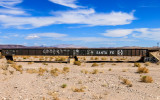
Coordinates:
124 70
54 95
96 58
104 58
45 64
137 65
41 71
127 82
17 67
30 63
95 71
142 70
63 85
147 63
84 71
147 79
94 65
55 72
60 59
66 69
10 62
79 89
77 63
31 71
110 69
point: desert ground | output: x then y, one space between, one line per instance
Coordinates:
80 81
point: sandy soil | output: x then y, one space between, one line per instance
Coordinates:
80 83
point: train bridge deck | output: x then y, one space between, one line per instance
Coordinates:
145 54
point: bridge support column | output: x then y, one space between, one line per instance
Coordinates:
9 58
71 60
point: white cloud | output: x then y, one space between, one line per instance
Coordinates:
118 32
32 37
50 35
9 3
141 33
12 11
86 17
68 3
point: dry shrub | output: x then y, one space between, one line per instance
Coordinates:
124 70
118 59
77 63
31 71
4 67
113 64
111 59
11 72
158 63
10 62
142 70
45 64
94 65
102 63
104 58
41 71
84 71
63 85
17 67
110 69
66 69
95 71
30 63
79 89
137 65
127 82
41 59
55 72
147 79
92 58
60 59
147 63
54 95
96 58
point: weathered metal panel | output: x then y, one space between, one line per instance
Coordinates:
77 52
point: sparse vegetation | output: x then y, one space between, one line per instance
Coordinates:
63 85
17 67
45 64
66 69
142 70
124 70
79 89
31 71
60 59
103 58
84 71
147 63
55 72
147 79
137 65
41 71
10 62
127 82
30 63
94 65
95 71
110 69
77 63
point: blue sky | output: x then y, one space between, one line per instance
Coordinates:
90 23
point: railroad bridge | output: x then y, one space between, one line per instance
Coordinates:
147 55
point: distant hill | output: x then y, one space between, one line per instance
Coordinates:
11 46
